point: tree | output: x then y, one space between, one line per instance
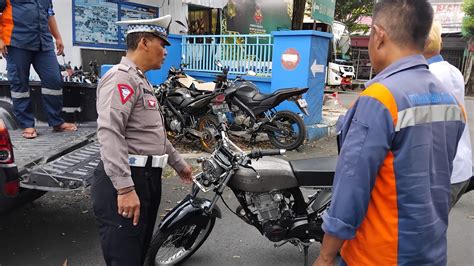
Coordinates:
350 11
468 22
298 14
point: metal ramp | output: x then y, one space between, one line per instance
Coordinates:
56 161
69 172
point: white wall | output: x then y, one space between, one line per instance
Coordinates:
63 10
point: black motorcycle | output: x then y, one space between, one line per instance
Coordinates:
182 108
255 113
268 192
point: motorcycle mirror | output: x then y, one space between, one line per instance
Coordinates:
251 73
218 63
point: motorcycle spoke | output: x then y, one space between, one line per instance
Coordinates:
172 250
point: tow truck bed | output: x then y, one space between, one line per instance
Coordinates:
56 161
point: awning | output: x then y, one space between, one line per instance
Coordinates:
207 3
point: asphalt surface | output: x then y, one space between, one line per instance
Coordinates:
59 228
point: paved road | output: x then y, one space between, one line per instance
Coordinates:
60 227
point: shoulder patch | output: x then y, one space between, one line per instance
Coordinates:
125 92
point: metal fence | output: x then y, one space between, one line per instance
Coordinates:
241 53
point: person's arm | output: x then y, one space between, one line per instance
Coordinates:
113 114
53 28
368 133
328 251
175 160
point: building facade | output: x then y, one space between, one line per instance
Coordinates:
100 41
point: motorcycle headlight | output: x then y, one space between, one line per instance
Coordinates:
211 169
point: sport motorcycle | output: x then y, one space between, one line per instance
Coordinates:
254 112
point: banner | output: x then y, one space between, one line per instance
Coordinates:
450 15
257 16
323 10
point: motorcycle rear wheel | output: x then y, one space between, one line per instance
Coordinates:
166 248
295 128
209 127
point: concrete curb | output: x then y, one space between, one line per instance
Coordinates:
318 131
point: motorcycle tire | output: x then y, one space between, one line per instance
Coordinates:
208 126
160 239
291 119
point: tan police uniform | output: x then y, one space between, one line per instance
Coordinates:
130 123
134 149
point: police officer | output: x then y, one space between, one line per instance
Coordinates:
126 189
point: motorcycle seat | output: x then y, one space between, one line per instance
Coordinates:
263 96
314 171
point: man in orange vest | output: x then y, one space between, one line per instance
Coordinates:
392 182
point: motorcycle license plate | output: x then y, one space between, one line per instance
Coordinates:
302 103
220 108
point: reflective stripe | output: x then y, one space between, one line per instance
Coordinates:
52 92
428 114
140 160
19 95
159 161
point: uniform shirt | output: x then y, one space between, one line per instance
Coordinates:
391 187
130 122
24 24
452 78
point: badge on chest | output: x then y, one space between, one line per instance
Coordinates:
150 102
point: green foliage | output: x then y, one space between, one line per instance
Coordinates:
468 22
350 11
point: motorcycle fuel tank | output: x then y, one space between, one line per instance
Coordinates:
178 96
246 90
275 174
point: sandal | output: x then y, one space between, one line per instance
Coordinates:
65 127
29 133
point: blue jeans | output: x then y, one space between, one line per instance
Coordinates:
46 65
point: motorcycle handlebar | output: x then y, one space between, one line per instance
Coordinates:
259 153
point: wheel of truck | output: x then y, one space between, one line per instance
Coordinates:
167 248
6 114
293 131
209 128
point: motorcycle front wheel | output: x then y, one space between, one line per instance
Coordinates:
293 131
167 248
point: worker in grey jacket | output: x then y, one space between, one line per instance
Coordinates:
126 189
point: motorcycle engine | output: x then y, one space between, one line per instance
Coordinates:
274 214
242 119
268 208
175 125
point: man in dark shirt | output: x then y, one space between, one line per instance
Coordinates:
25 39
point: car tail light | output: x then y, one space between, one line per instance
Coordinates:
219 99
11 188
6 147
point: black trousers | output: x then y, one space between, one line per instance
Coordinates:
122 242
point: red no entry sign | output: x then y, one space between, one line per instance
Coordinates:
290 59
